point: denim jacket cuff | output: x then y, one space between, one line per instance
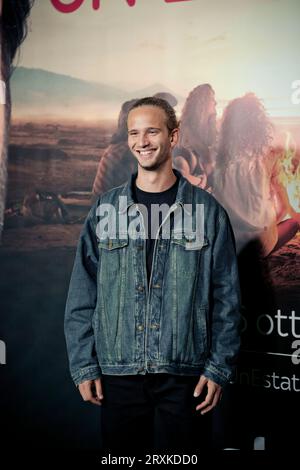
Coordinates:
86 373
218 376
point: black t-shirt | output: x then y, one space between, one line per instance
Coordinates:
147 198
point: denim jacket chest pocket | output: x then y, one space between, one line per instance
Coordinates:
186 250
112 253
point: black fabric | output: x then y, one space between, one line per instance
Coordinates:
142 413
147 198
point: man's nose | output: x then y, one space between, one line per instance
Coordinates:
143 140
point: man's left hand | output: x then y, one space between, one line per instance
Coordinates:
213 395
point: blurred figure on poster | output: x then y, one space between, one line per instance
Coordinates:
13 29
287 172
117 162
195 154
246 180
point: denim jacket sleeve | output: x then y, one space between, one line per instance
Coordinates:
225 316
81 303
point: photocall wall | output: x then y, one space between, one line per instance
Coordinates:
230 71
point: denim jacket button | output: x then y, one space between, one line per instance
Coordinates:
140 288
140 327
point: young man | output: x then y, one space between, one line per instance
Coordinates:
152 313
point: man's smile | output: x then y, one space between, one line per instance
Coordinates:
146 153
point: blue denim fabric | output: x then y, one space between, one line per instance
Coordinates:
185 323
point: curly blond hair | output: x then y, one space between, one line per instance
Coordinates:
195 120
245 130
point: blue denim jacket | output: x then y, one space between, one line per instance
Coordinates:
185 323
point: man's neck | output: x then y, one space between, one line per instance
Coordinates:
155 181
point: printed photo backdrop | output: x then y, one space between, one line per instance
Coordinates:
230 71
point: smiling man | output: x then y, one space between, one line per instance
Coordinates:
152 323
151 145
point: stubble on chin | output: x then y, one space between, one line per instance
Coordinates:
154 166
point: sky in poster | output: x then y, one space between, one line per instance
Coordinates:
236 45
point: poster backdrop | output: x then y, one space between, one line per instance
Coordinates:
231 71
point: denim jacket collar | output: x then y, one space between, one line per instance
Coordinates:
183 197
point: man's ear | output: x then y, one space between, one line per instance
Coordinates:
174 137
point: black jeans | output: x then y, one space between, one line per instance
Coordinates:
142 413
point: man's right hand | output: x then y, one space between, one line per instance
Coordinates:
91 390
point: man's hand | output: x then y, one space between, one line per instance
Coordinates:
91 390
213 395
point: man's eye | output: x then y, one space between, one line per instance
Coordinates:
153 131
133 134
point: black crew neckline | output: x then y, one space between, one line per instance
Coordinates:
148 193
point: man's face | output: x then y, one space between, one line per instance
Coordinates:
149 138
